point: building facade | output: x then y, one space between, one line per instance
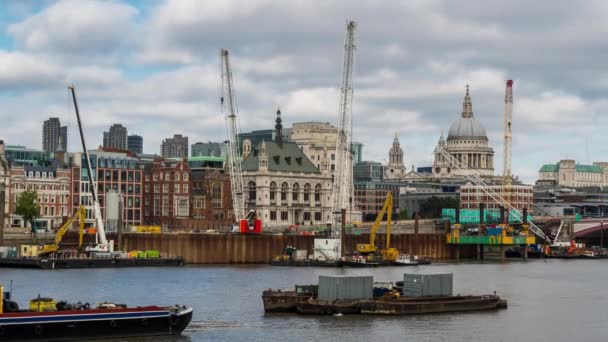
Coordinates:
176 147
18 155
283 185
357 148
112 171
568 173
211 201
468 142
4 187
521 196
209 149
51 184
135 144
368 171
116 137
53 134
316 139
167 191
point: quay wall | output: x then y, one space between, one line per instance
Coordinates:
260 249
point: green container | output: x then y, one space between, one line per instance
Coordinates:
141 254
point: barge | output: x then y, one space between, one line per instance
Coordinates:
47 321
59 263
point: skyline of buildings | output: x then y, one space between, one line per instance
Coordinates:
115 137
175 147
54 135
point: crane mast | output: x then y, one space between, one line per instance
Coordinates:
104 245
343 177
508 142
229 110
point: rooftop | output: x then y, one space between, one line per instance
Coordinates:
579 168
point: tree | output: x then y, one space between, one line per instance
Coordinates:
27 207
431 207
403 214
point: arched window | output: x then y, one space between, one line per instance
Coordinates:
295 197
273 191
318 193
306 192
284 187
251 190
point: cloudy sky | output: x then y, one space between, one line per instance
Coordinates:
154 67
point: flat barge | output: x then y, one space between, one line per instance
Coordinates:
60 263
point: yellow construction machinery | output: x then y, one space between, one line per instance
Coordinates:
389 254
80 215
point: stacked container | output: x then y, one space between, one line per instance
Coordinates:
332 288
427 285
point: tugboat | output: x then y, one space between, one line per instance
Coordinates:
47 320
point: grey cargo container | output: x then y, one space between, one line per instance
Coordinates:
427 285
333 288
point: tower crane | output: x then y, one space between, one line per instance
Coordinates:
247 223
343 174
103 245
508 142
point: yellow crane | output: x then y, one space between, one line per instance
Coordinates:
80 215
370 248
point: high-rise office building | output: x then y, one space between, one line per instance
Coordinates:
51 133
116 137
176 147
135 143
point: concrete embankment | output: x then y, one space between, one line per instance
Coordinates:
260 249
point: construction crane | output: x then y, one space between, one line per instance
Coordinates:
508 143
343 174
249 222
80 215
476 178
103 245
370 248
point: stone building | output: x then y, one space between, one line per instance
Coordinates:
395 168
167 193
116 137
283 185
568 173
315 139
176 147
4 187
468 142
52 185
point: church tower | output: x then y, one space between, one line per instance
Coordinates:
395 168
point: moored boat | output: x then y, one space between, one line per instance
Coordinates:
46 320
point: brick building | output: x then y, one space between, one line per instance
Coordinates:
52 185
211 204
167 193
472 195
114 170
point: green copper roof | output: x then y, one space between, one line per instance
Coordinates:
579 168
202 158
549 168
286 157
588 168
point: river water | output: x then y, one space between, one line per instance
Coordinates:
549 300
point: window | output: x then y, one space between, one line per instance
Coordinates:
251 190
177 176
273 215
284 215
317 216
295 196
273 191
156 207
185 188
333 156
157 188
160 176
183 207
284 191
216 195
167 176
176 188
185 176
318 193
137 189
130 202
306 216
154 178
165 187
166 206
306 192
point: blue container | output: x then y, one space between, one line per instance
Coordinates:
493 231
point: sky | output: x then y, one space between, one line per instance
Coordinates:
154 67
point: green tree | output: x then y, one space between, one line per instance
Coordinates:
27 207
431 208
403 214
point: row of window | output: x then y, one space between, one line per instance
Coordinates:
176 188
42 187
285 216
167 176
37 174
116 176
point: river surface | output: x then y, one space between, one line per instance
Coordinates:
548 300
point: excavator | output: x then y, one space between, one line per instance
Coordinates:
388 254
80 215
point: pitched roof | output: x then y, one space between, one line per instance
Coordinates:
287 157
579 168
